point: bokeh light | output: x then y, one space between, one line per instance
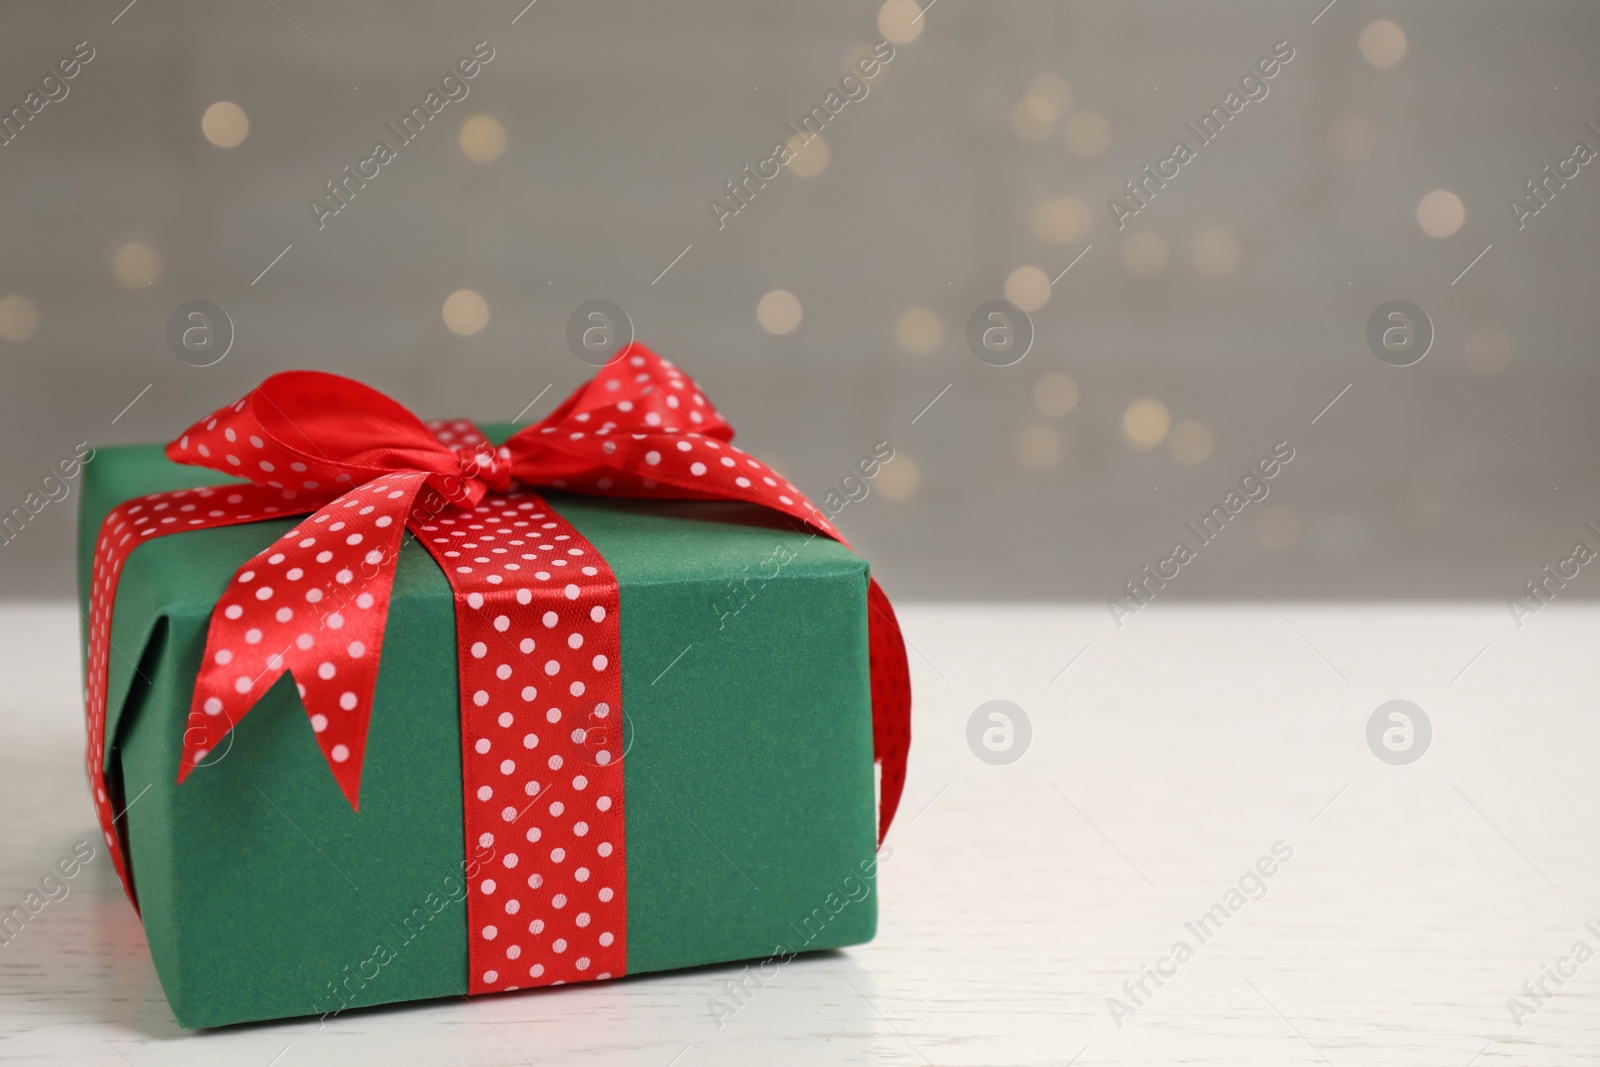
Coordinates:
1055 394
1032 118
482 138
1144 255
808 158
898 479
225 124
19 317
853 58
918 330
1028 288
1038 447
1215 253
1053 89
136 265
465 312
1441 213
1383 43
900 21
1190 443
1145 423
778 312
1061 220
1088 134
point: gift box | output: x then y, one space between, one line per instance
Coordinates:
537 788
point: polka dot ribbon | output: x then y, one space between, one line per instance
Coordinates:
536 615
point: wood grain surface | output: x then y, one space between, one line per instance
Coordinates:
1165 760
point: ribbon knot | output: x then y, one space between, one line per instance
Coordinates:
486 464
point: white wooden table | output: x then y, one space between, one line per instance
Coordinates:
1019 898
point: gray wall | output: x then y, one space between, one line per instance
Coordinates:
622 119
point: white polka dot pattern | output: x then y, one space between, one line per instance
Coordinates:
642 428
539 646
314 603
127 526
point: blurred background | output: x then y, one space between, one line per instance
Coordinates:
1230 314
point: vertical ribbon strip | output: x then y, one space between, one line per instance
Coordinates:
538 647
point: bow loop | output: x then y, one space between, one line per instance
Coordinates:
640 390
319 435
643 428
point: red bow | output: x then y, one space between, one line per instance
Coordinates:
639 428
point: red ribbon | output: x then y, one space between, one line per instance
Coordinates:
536 613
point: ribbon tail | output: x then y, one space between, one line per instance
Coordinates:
314 604
891 702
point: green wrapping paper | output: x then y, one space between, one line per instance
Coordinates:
749 768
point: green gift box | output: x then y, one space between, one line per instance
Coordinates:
750 810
